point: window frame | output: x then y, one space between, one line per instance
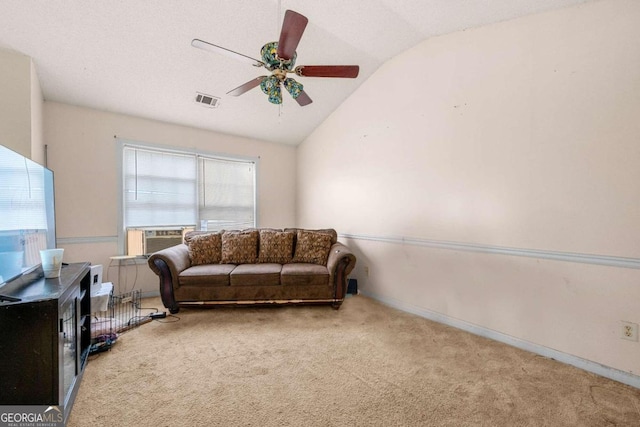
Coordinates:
122 143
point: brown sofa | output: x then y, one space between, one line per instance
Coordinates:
254 266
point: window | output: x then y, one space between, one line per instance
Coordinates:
170 188
226 193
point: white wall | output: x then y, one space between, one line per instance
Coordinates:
510 143
82 153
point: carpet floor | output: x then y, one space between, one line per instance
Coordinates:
363 365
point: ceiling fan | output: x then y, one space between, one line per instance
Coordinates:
279 58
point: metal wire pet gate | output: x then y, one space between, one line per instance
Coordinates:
122 314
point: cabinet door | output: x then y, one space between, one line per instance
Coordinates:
68 346
29 353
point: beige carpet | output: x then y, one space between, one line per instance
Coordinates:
363 365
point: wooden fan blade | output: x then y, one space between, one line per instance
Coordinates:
345 71
303 99
292 28
226 52
247 86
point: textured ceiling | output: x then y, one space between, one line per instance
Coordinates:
135 57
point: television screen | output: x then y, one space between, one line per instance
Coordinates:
27 215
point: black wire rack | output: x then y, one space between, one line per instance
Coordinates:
123 314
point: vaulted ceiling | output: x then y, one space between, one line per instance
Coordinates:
136 58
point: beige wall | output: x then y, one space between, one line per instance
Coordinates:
522 136
36 106
82 153
20 106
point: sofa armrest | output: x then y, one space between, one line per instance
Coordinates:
340 263
176 258
168 264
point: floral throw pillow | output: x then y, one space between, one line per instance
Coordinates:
312 247
205 248
275 246
239 247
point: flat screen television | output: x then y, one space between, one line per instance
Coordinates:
27 214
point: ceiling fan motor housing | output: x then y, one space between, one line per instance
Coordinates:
269 53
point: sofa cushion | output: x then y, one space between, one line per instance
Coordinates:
330 231
205 248
312 247
255 275
304 274
239 247
275 247
192 233
206 275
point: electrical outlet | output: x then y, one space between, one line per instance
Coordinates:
366 270
629 331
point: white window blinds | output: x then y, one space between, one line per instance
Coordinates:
22 194
226 193
165 188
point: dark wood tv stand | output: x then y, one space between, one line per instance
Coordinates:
45 338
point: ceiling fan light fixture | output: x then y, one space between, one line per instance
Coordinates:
271 86
293 87
275 97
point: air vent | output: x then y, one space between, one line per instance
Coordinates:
207 100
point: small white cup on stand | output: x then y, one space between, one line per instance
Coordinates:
51 262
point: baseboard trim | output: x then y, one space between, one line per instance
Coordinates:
578 362
150 294
612 261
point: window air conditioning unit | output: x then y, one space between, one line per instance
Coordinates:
145 241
